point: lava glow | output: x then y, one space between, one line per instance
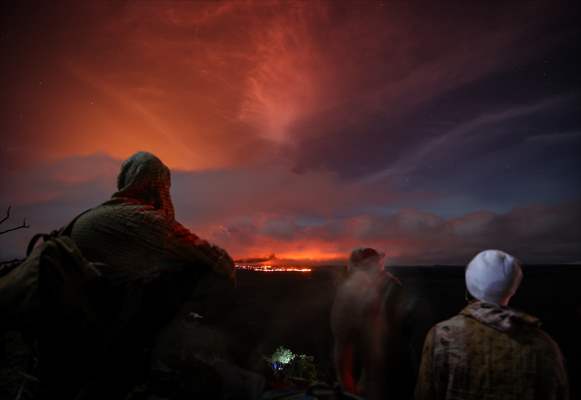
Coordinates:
272 268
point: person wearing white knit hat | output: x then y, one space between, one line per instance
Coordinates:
493 276
490 350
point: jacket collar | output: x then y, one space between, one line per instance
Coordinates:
501 318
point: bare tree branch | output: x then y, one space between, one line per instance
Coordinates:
23 226
7 214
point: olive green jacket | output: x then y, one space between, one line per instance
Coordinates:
491 352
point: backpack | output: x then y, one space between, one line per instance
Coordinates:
56 298
53 274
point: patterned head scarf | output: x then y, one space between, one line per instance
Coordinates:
144 179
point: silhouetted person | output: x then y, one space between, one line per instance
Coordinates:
370 353
136 231
151 265
490 351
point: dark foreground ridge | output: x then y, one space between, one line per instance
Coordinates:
292 309
267 311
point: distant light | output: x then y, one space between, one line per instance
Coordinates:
272 268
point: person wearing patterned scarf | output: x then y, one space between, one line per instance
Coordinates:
152 266
145 179
135 231
490 350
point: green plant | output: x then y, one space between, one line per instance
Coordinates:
287 365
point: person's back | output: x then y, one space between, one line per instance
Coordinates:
370 352
147 254
152 264
490 351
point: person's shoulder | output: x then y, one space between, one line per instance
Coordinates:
390 278
442 334
452 327
111 208
111 217
544 343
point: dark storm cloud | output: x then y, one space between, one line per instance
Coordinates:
499 160
455 72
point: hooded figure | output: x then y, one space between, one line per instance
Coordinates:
370 352
151 266
490 350
136 232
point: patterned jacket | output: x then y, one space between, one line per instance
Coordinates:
490 352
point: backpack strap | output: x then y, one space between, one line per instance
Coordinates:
66 231
35 238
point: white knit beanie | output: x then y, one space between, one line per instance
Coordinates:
493 276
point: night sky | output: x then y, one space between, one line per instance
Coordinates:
431 130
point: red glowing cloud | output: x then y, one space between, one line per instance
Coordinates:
220 84
291 127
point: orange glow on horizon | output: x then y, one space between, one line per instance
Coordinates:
272 268
311 255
